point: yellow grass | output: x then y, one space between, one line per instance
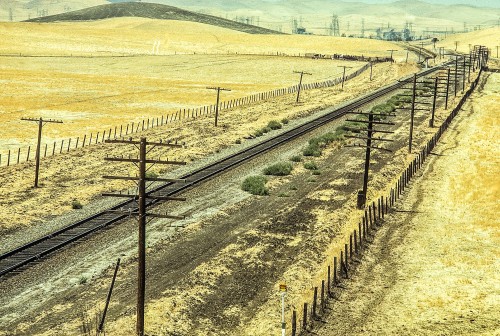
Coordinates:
94 94
138 35
486 37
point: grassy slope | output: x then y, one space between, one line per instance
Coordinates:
152 11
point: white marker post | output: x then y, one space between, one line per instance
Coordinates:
283 294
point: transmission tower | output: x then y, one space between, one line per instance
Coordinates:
295 26
335 27
362 27
11 15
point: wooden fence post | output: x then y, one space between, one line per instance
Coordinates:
304 317
315 303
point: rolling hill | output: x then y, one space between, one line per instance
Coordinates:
150 11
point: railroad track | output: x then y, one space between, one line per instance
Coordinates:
19 258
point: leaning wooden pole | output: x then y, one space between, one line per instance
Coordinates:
141 274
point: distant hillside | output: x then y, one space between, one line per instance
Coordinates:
316 15
151 11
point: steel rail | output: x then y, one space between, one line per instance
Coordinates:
54 241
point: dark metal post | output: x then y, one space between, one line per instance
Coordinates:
101 324
371 70
367 157
38 145
217 106
412 115
447 89
141 276
456 75
300 86
343 77
436 83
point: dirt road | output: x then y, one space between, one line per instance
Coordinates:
434 268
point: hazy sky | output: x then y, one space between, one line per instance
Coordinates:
479 3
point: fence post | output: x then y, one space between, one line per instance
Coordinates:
8 159
294 323
62 144
18 154
77 139
28 155
315 303
69 143
304 317
54 149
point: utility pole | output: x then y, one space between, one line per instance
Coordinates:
362 27
456 45
371 70
41 122
218 89
140 210
343 75
436 84
302 73
369 138
392 51
413 107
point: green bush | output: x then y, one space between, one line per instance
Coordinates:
284 121
258 133
238 141
279 169
75 204
283 195
296 158
151 174
82 280
255 185
316 172
311 165
266 130
274 125
312 150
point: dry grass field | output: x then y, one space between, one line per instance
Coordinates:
487 37
92 94
435 268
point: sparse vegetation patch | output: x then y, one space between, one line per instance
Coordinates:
279 169
255 185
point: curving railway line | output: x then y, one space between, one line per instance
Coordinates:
19 258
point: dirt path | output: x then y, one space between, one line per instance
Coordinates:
434 268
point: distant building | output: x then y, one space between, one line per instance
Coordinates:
391 34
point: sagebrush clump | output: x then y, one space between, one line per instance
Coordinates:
255 185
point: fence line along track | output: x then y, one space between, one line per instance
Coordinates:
37 249
9 157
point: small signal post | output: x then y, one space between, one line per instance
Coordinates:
283 289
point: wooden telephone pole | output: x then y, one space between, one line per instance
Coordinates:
343 75
302 73
218 89
392 52
140 211
369 138
416 93
41 122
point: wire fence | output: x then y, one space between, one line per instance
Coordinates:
339 269
10 157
